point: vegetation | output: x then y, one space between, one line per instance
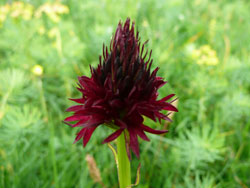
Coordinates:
203 51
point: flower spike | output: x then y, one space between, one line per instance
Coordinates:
121 90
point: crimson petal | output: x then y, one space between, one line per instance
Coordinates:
113 136
162 116
134 142
170 107
88 134
167 98
74 108
153 131
81 122
80 134
141 134
81 100
120 123
74 118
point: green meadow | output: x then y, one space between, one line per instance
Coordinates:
203 50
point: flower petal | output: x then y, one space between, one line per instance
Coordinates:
127 144
170 107
120 123
162 116
134 142
80 134
113 136
132 109
153 131
81 122
166 98
141 134
76 117
148 114
159 82
131 92
91 111
69 124
135 118
88 134
116 103
81 100
75 108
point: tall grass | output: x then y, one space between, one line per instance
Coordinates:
203 51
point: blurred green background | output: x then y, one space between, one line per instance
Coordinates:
203 50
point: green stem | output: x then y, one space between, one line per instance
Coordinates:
124 174
52 132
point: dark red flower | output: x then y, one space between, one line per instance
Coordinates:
121 90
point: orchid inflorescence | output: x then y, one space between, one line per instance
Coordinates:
121 90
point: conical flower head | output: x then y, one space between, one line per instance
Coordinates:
121 90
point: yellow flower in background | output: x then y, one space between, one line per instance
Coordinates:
37 70
41 30
27 12
52 10
53 32
4 10
15 10
145 23
60 8
21 9
205 55
195 54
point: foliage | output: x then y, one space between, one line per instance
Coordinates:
202 49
